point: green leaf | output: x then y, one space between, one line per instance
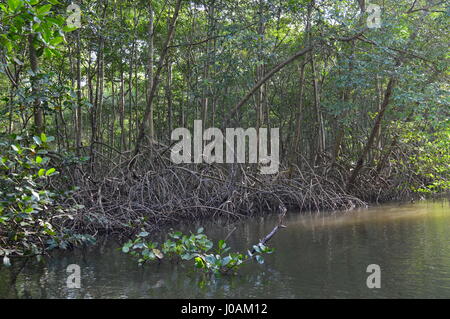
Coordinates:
199 263
38 160
138 246
259 259
36 195
48 52
29 210
158 253
44 10
15 4
143 234
69 28
43 137
126 246
176 235
37 140
41 172
56 40
50 171
148 254
226 260
187 256
210 259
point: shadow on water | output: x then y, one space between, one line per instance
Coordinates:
319 255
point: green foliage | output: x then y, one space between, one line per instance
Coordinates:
197 247
29 204
429 156
23 17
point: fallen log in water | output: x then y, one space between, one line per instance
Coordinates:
269 236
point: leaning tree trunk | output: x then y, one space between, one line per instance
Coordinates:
373 134
382 110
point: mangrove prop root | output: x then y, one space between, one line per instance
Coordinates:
157 192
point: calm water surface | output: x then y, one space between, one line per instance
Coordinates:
319 255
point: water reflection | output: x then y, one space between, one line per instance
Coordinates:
318 256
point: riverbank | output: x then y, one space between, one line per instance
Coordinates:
114 198
156 192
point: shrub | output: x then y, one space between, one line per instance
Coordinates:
197 247
30 209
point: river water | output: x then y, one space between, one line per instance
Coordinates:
319 255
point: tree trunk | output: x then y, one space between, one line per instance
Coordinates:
37 110
376 127
320 131
150 124
144 125
169 97
78 122
299 118
122 145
